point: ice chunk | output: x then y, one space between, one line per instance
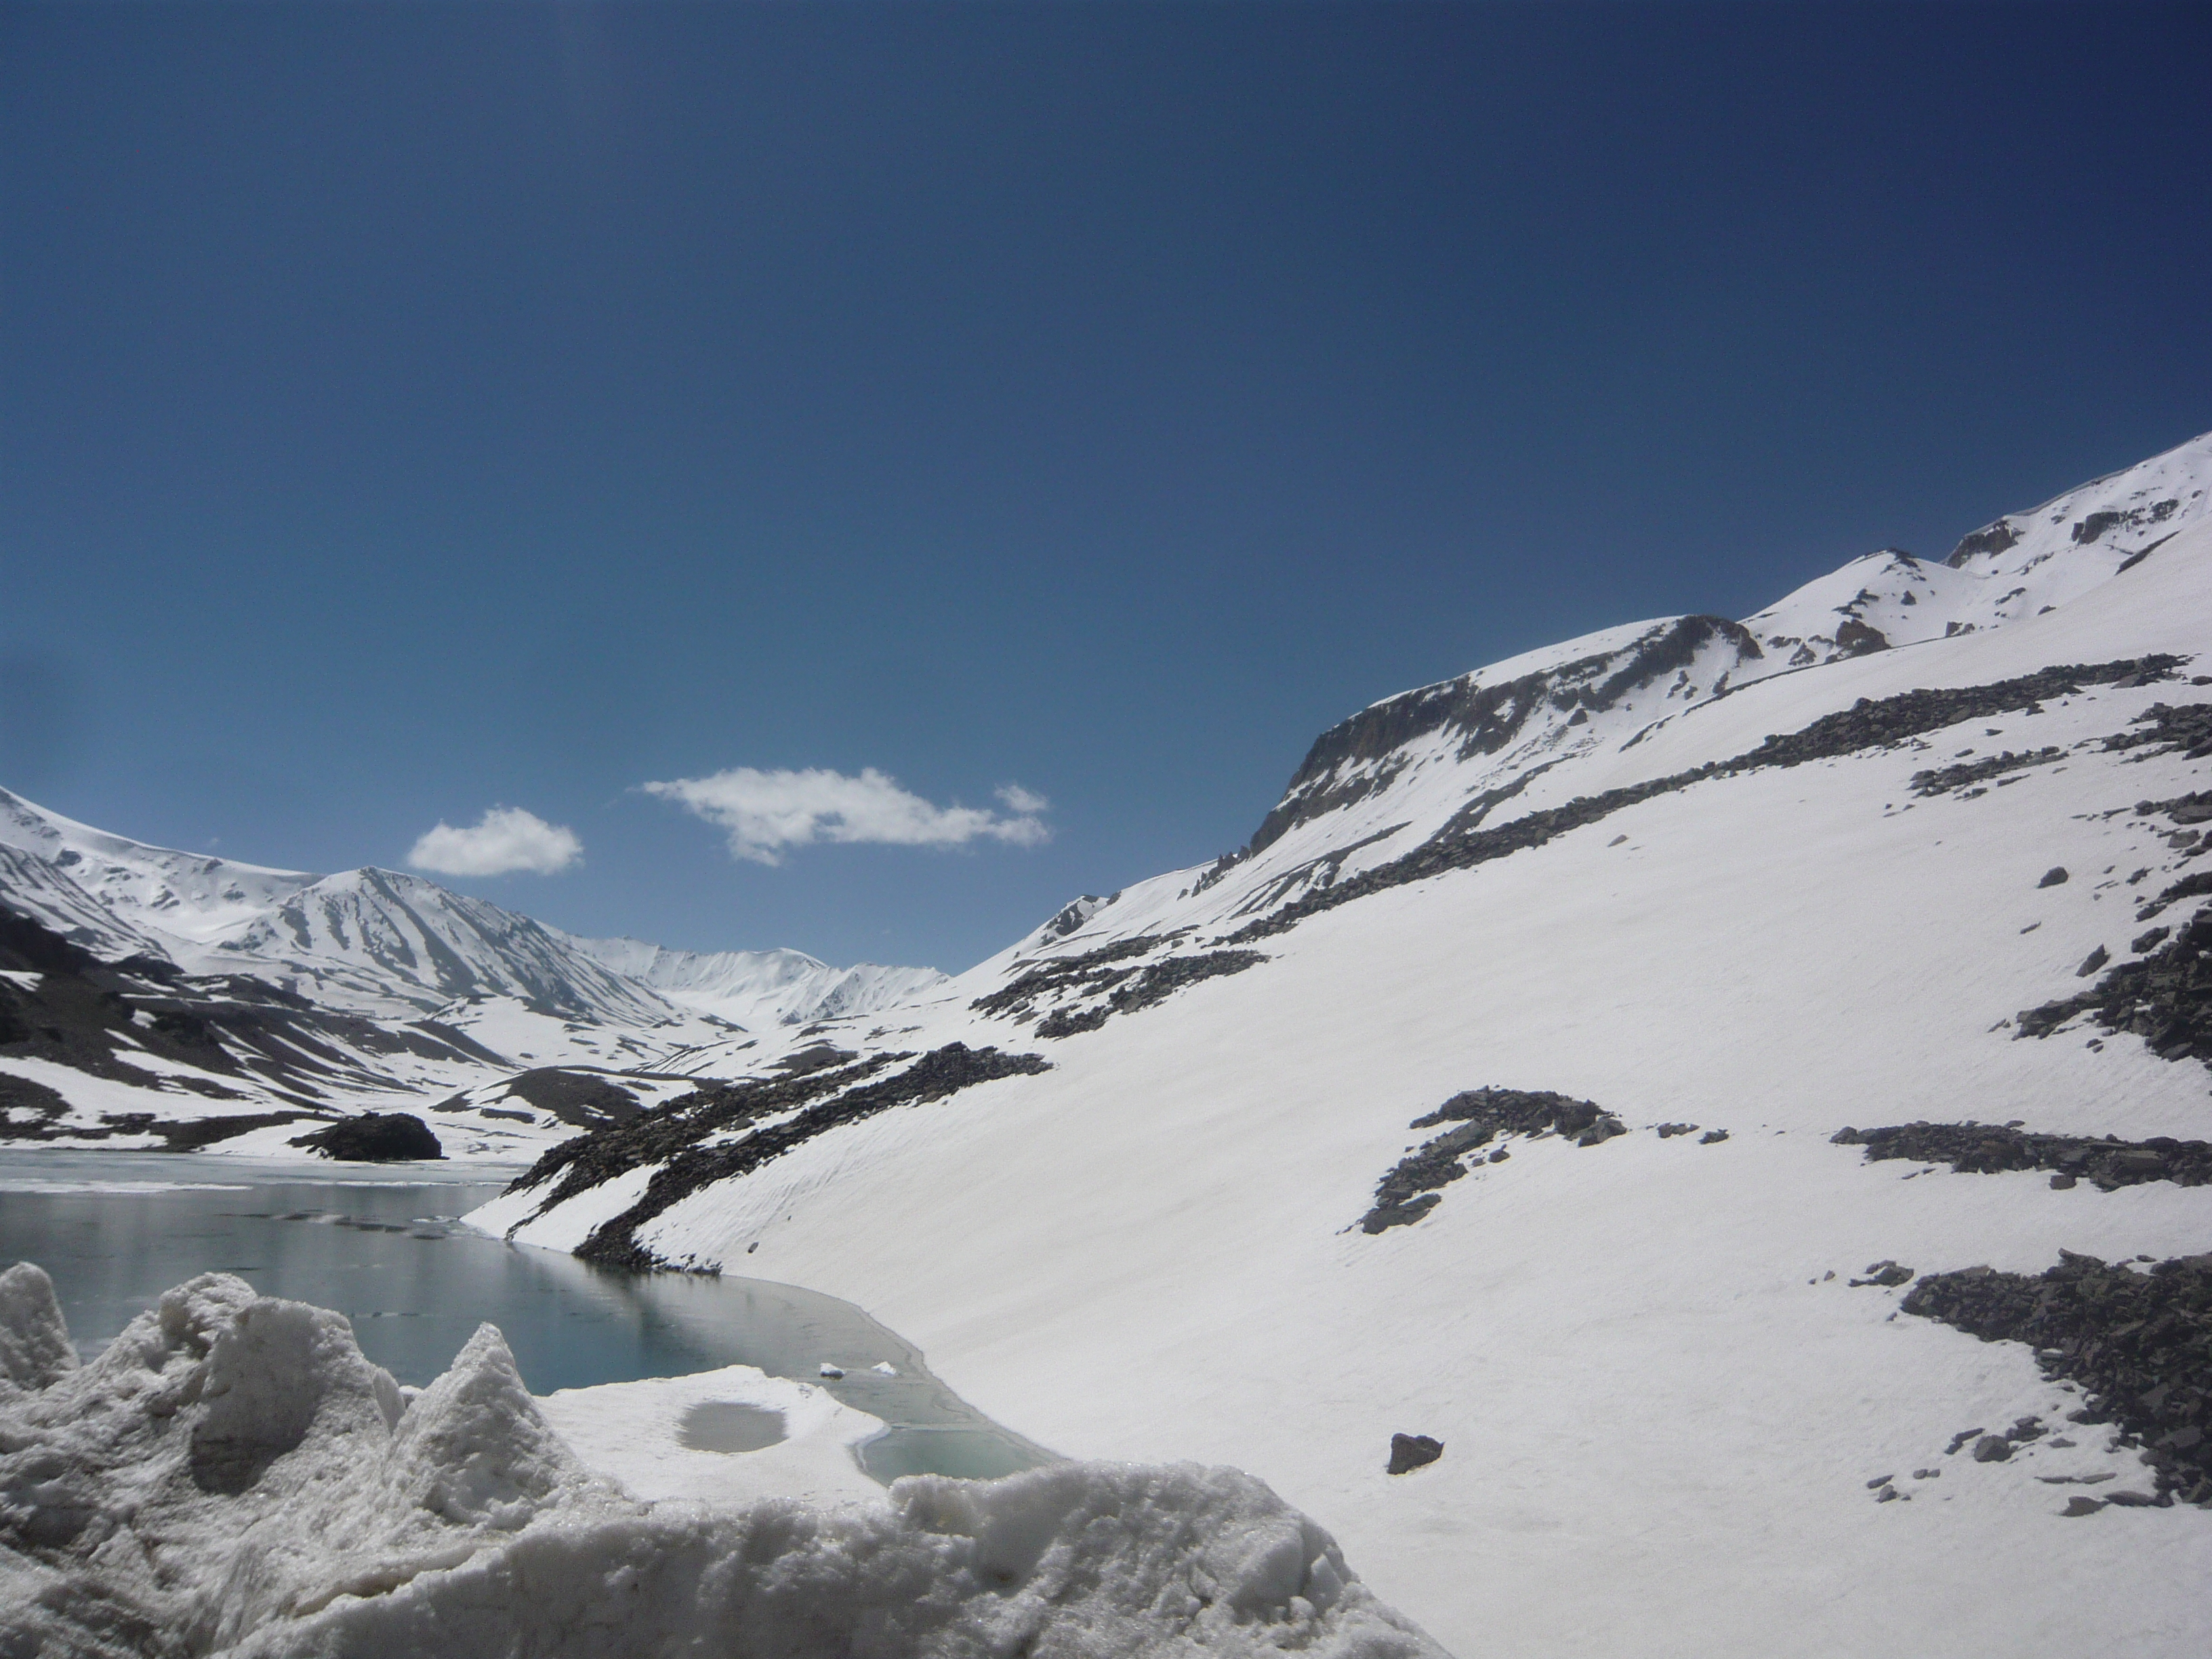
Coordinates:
232 1476
34 1343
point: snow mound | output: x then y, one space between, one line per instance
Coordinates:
232 1477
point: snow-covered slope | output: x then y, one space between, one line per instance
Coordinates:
1204 1168
758 989
149 892
2020 566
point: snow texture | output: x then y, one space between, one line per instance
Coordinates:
1665 1410
232 1477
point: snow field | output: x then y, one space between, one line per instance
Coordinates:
1658 1434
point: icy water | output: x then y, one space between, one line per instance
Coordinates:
384 1245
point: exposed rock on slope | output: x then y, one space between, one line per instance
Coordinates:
2140 1342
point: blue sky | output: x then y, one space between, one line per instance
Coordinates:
408 412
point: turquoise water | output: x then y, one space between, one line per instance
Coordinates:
384 1245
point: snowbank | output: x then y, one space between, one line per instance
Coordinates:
231 1476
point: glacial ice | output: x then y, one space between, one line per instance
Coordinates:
231 1476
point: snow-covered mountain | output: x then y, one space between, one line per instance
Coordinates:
1738 1086
761 988
377 987
140 897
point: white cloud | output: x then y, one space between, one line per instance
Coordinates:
505 839
766 812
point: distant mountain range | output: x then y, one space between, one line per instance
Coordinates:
366 987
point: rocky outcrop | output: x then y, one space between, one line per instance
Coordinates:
375 1138
933 1076
2139 1342
2107 1164
1869 723
1942 780
2165 997
1412 1189
1352 759
1148 986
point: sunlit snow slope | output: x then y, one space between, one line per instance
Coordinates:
1146 1207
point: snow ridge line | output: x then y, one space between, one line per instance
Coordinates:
1869 723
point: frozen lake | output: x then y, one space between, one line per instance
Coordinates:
384 1245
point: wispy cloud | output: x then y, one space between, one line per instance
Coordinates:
766 812
506 839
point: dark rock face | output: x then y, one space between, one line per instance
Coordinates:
2140 1343
2188 887
1410 1190
1128 989
375 1138
1148 986
1983 1149
583 1099
1074 914
1994 538
2055 876
672 1136
1868 724
1057 977
2166 729
1409 1452
1856 638
1484 719
658 1136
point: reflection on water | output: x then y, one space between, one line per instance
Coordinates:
968 1454
384 1245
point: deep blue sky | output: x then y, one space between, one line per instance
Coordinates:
408 409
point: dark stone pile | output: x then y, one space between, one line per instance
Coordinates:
1943 779
1981 1149
1057 976
375 1138
1410 1190
2165 997
2164 729
2139 1343
1878 722
1868 724
1145 986
654 1137
935 1075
